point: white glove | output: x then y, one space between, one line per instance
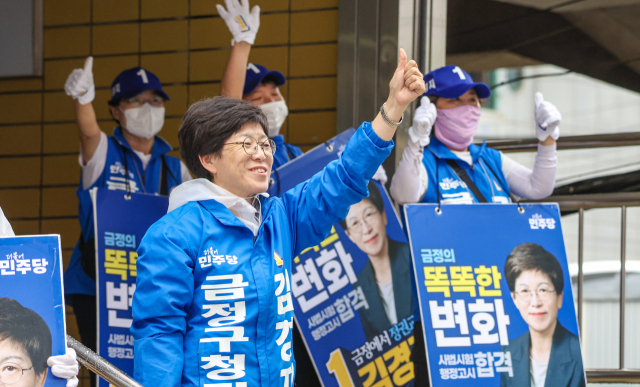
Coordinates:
380 175
65 367
423 120
80 85
242 23
547 118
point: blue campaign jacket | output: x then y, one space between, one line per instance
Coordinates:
444 183
486 173
284 152
76 281
213 303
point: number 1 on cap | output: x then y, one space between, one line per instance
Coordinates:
143 74
252 67
458 71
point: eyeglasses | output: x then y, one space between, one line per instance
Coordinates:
356 225
542 294
156 101
11 373
250 145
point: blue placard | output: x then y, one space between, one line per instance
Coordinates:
120 225
31 296
491 282
337 302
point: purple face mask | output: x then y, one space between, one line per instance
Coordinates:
456 127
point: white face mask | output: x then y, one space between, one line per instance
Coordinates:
276 113
144 121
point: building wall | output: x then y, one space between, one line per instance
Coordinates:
187 45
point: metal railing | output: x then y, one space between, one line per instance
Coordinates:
587 202
569 142
581 203
94 362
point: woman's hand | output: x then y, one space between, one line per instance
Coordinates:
406 85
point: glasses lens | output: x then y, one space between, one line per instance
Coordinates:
269 148
355 227
157 101
250 145
10 373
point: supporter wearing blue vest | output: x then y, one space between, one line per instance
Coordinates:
252 82
448 168
133 160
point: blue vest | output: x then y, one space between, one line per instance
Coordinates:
445 184
284 152
120 157
485 172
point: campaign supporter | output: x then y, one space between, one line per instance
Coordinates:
252 82
384 277
213 291
448 168
134 160
547 355
13 319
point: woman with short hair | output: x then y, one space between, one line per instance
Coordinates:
213 297
384 277
25 345
547 355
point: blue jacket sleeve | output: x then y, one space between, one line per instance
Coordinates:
315 205
164 291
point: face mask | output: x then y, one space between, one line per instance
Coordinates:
456 127
144 121
276 113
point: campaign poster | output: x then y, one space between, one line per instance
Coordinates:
120 225
358 332
495 295
32 313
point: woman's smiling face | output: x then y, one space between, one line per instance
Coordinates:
238 172
537 300
366 227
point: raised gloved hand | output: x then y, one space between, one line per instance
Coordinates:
242 23
547 118
380 175
80 85
65 367
423 120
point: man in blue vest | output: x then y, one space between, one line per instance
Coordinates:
252 82
134 159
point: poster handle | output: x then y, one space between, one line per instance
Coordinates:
100 366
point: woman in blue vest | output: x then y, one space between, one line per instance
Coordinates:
448 168
134 159
252 82
213 301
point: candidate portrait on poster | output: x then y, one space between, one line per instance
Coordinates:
547 355
385 278
25 345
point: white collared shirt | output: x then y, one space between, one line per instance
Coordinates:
203 189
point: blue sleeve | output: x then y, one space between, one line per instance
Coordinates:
164 291
315 205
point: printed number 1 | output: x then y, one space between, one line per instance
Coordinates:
458 71
143 74
336 366
253 68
